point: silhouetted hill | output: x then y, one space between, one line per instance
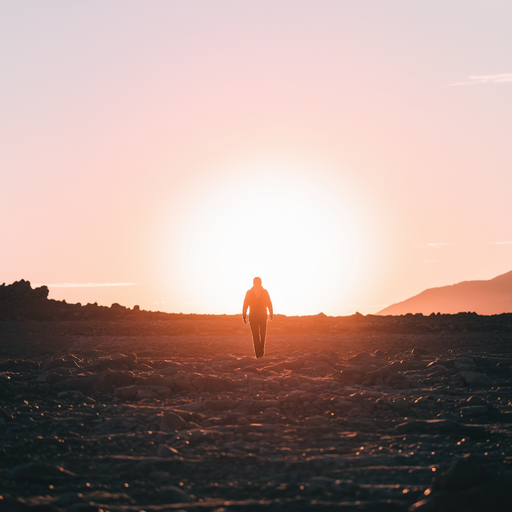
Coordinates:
491 297
19 301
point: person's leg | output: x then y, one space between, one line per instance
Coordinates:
255 329
263 335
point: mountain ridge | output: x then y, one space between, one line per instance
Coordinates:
484 297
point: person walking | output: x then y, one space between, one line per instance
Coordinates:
257 300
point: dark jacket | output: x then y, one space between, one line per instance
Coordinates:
258 304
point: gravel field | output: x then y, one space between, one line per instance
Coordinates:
91 420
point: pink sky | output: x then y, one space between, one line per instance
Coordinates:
137 140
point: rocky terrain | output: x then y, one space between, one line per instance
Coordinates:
136 416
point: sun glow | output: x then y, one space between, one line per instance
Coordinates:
276 220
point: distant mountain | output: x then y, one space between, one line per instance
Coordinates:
482 297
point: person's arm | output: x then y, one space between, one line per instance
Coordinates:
244 308
270 307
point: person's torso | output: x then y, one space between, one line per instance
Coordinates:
258 302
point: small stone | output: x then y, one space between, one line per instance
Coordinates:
316 421
465 363
462 474
165 450
342 403
225 357
76 395
159 476
183 382
145 393
363 358
160 390
172 421
473 410
68 498
476 400
242 420
99 496
272 386
40 471
108 381
476 379
271 413
127 392
294 396
172 494
210 384
291 382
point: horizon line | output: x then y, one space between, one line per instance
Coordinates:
82 285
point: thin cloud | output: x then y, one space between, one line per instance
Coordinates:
83 285
486 79
500 243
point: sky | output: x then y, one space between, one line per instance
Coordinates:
161 153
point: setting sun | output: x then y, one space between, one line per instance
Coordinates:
272 218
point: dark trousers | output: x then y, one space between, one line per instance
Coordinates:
259 332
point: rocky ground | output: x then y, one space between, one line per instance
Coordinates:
351 422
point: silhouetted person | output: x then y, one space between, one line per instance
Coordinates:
258 301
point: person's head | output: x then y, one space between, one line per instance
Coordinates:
256 281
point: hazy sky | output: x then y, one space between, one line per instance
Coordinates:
351 153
